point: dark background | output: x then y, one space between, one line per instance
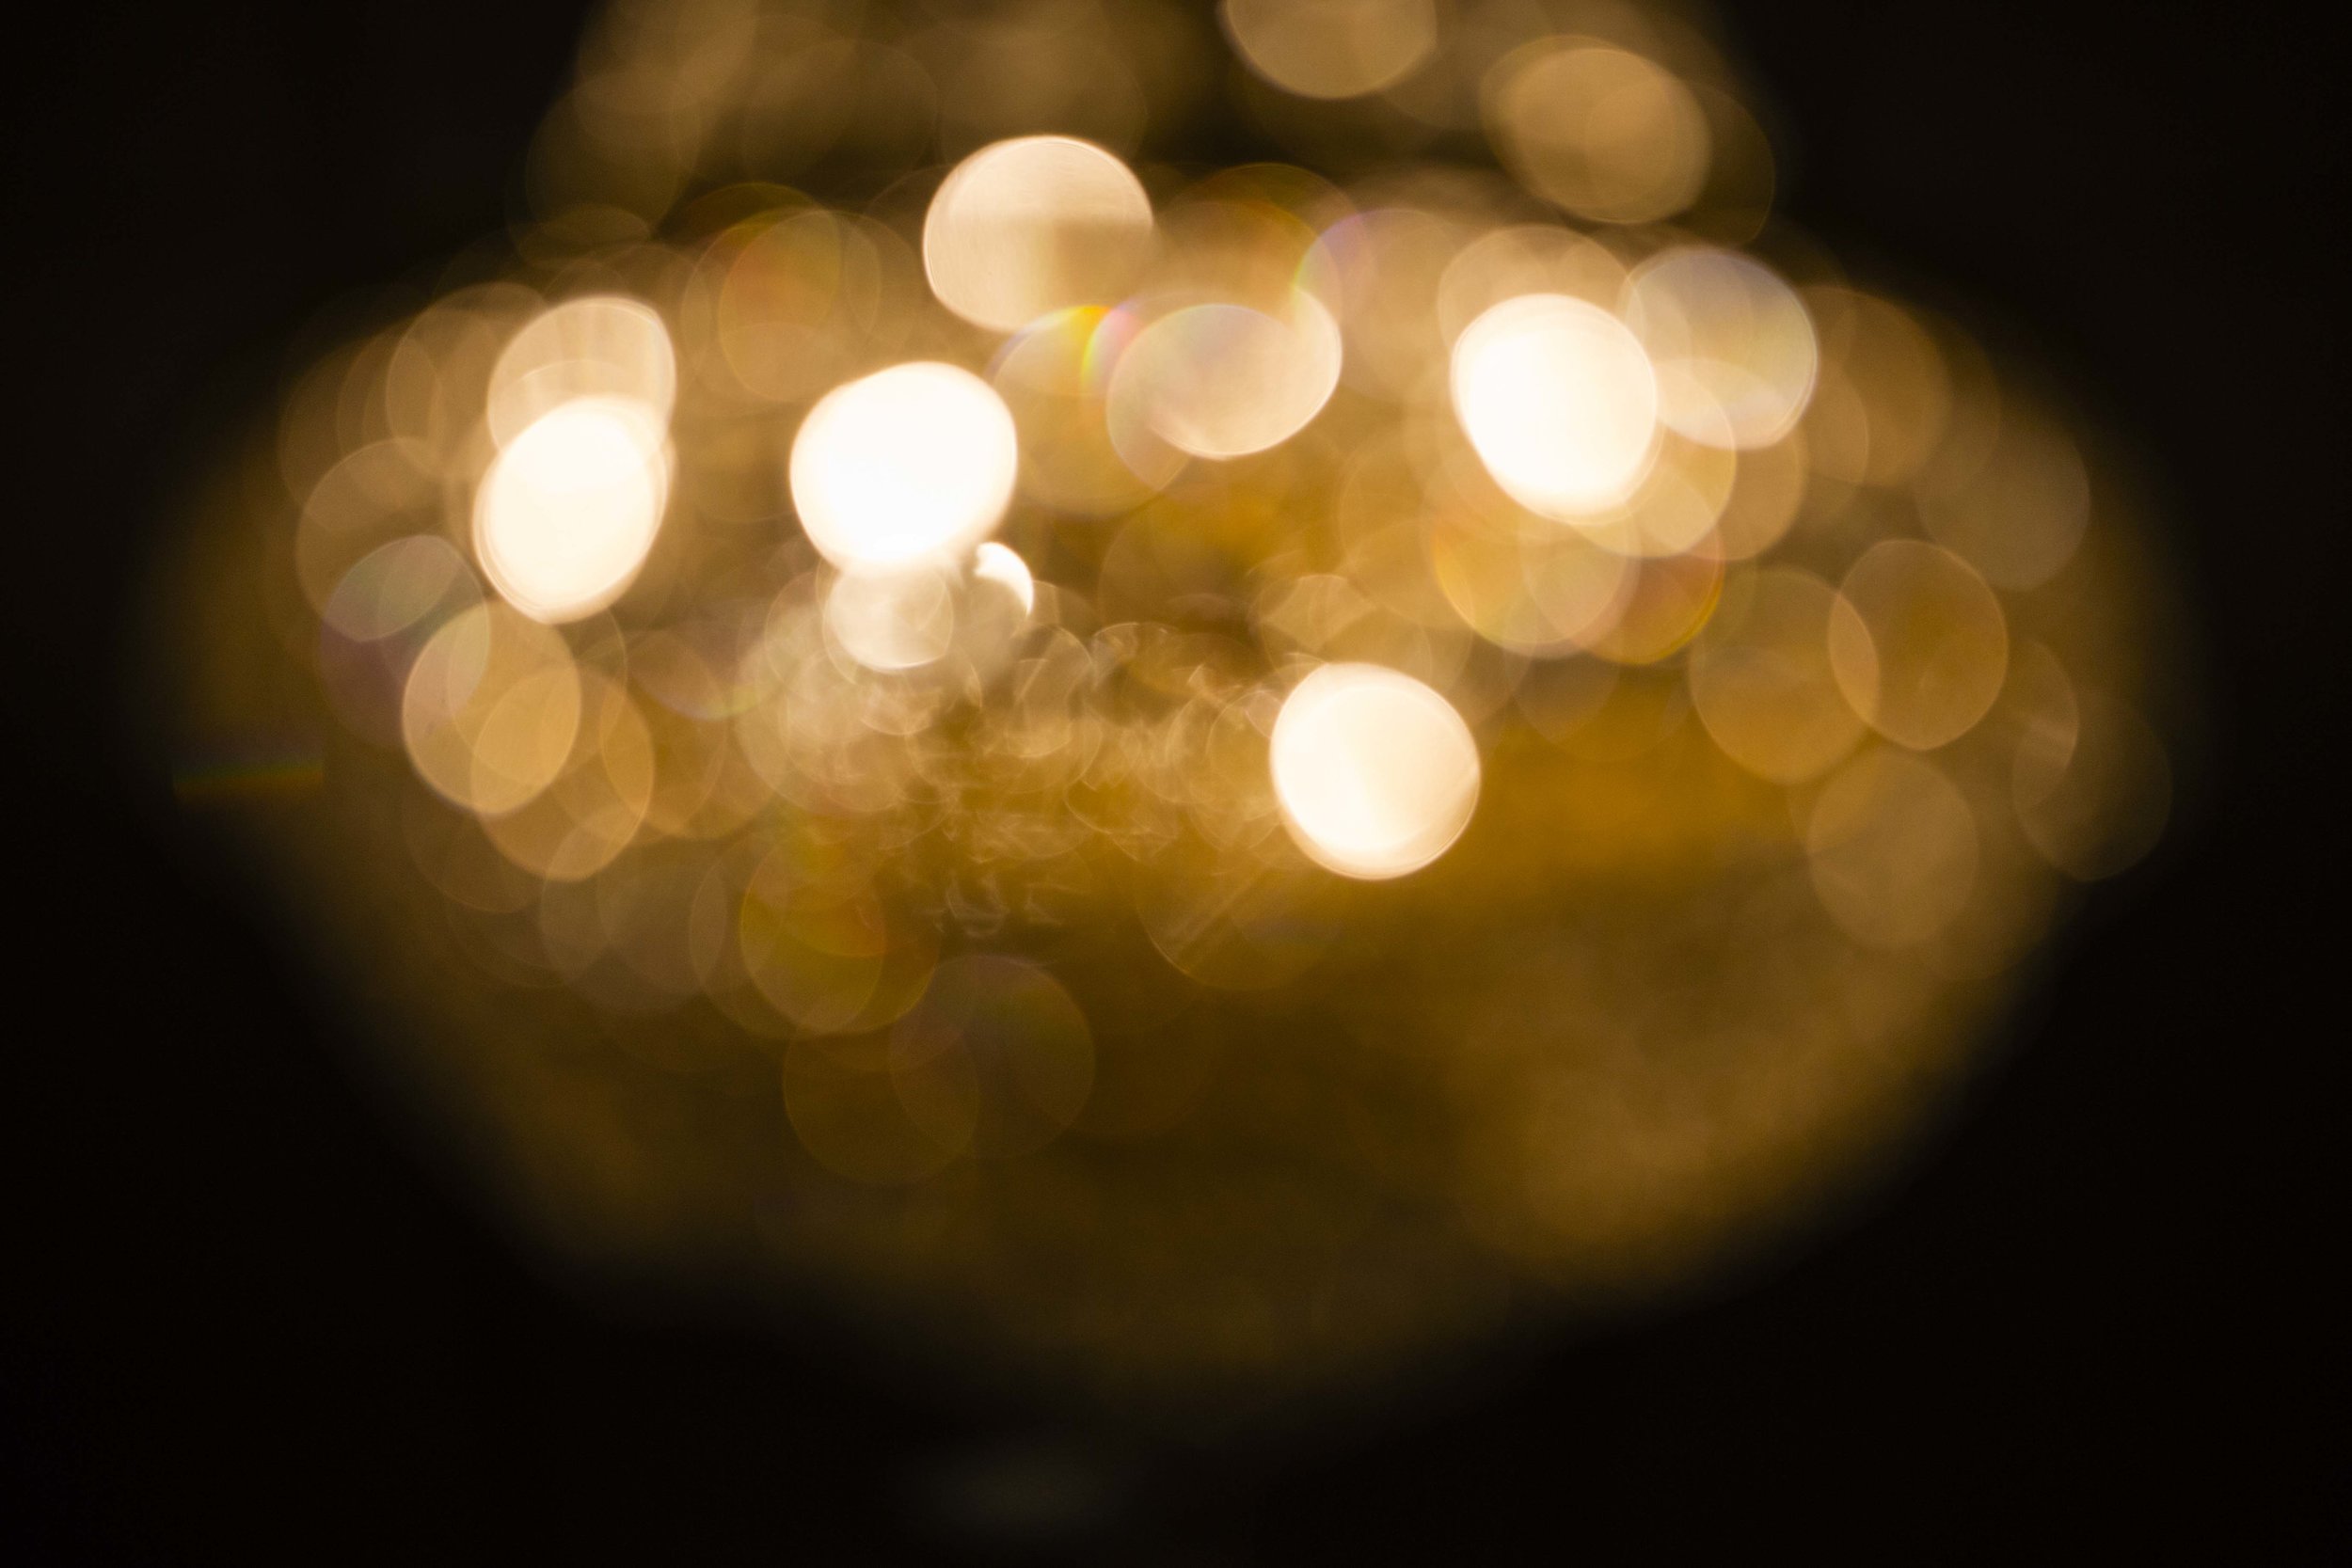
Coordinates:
247 1314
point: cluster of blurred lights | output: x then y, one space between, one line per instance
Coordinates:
966 651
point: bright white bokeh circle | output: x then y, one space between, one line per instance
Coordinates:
1560 401
1376 774
569 511
1037 224
909 467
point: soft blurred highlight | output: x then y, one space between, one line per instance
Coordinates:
1194 782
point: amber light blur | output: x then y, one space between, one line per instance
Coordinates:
1196 777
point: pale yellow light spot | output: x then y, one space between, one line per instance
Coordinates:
996 563
909 467
569 509
1604 133
1560 402
1375 773
1734 349
896 621
1032 226
1222 381
1331 48
491 709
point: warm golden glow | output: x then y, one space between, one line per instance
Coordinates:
600 346
1560 402
592 804
909 467
1732 344
792 296
396 586
1033 226
1918 643
1376 774
1884 403
1762 680
1331 48
1723 670
824 950
1052 376
491 709
2016 510
891 621
1550 595
1893 849
1602 131
1222 381
570 508
1503 263
2097 804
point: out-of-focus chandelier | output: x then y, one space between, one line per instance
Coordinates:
1266 757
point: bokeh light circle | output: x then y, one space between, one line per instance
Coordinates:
1377 774
1560 401
1602 131
569 511
1223 381
1732 343
907 466
1331 48
1039 223
1918 642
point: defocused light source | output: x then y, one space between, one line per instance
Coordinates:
992 563
786 863
1376 773
1026 228
911 466
491 708
1732 344
2016 510
1604 133
601 346
1222 381
1560 402
570 508
1918 643
893 621
1331 48
1893 850
1762 683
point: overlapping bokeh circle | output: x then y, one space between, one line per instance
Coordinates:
1190 778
